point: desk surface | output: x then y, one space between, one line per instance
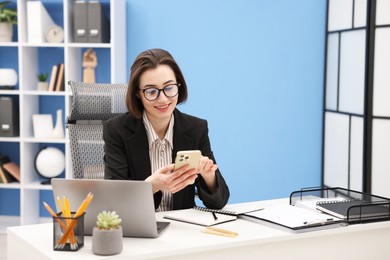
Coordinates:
186 241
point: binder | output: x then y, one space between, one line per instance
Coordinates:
351 206
98 23
38 21
9 117
80 21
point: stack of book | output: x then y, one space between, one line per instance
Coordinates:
57 78
9 171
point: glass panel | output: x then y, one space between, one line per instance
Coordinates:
381 73
340 15
382 12
380 157
332 68
360 15
356 159
336 150
352 71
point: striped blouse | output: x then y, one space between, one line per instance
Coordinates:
160 153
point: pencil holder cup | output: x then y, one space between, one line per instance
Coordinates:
68 232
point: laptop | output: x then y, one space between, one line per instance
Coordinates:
132 200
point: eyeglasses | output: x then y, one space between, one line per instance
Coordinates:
170 91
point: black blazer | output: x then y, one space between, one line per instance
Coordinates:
127 156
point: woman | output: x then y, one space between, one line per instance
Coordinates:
141 144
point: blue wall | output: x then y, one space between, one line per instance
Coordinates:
254 69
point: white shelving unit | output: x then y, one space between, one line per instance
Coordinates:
31 56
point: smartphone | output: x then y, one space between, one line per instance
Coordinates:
191 157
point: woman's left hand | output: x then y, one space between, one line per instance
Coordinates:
207 169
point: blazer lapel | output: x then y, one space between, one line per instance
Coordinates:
181 141
139 148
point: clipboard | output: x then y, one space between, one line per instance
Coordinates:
293 219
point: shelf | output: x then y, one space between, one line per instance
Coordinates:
42 45
44 93
29 59
10 139
11 185
90 45
9 44
9 92
44 140
37 185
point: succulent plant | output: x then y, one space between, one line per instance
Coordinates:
42 77
7 14
108 220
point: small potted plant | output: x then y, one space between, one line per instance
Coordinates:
8 17
107 235
42 82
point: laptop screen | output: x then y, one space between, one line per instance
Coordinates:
132 200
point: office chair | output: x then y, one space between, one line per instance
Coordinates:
92 104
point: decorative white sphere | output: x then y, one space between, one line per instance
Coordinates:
50 162
8 77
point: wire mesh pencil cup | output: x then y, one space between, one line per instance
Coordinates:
68 232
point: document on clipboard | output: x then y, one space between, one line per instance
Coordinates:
293 219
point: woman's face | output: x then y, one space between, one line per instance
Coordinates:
162 107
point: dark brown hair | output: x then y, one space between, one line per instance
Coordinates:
150 59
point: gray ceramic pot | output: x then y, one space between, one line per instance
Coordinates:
107 242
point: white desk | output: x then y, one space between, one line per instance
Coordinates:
186 241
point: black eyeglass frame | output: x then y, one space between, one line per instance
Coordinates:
159 91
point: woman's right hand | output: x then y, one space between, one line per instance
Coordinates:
167 179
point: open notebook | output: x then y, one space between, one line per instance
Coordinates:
198 217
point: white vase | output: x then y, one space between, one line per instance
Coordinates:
42 86
8 77
6 32
58 131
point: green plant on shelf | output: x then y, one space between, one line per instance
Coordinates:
42 77
7 15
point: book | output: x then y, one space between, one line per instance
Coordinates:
293 219
232 209
59 85
53 77
355 209
198 217
5 176
12 169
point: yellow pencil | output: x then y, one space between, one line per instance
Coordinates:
78 213
54 215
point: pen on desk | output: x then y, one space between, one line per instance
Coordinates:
214 215
319 222
220 232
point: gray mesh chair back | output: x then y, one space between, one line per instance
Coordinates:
92 104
